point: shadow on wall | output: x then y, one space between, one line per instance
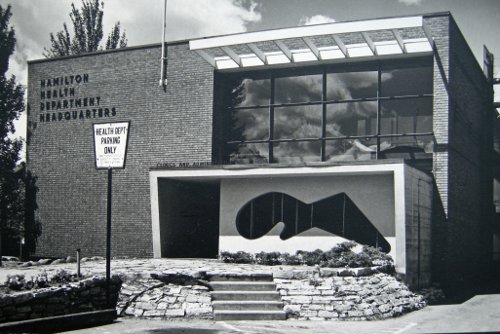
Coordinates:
336 214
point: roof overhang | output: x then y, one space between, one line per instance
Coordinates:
316 43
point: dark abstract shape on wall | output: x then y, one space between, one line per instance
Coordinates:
336 214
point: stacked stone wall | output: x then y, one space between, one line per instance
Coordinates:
346 295
87 295
149 298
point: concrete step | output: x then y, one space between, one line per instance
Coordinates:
267 277
246 305
246 295
249 315
243 286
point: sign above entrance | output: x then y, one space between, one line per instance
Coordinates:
110 144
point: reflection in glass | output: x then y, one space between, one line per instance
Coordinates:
406 116
304 88
407 81
405 147
351 149
249 124
251 92
250 153
351 119
302 123
295 122
297 152
351 85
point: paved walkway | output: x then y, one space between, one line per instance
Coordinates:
143 267
479 314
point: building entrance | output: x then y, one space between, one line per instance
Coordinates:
189 218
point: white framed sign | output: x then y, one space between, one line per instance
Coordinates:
110 144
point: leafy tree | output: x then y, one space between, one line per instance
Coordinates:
11 106
87 32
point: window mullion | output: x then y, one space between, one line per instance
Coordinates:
379 110
323 119
271 122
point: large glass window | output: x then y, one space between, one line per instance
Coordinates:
351 119
351 85
361 113
297 122
305 88
249 124
251 92
406 81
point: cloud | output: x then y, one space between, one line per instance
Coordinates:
141 20
411 2
315 19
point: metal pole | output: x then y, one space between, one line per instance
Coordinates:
108 237
78 262
162 67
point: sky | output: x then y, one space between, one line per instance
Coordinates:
34 20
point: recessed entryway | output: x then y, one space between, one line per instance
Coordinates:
189 218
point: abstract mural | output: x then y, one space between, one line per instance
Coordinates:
336 214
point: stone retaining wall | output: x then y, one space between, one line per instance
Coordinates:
147 297
309 293
376 296
86 295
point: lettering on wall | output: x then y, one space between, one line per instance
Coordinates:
62 100
195 164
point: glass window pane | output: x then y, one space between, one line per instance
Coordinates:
297 152
248 124
351 85
304 88
407 81
250 153
295 122
250 92
351 119
407 147
351 149
406 116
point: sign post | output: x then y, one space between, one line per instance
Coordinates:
110 150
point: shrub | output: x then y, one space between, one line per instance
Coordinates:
41 280
291 260
377 256
15 282
238 257
62 277
341 255
269 259
310 258
18 282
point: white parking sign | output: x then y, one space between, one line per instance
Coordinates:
110 144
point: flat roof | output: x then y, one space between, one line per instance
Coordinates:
316 43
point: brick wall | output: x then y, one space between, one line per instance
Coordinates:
439 29
418 201
463 142
471 144
171 125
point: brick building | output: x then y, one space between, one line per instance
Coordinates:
379 131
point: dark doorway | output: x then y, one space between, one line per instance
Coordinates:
189 218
